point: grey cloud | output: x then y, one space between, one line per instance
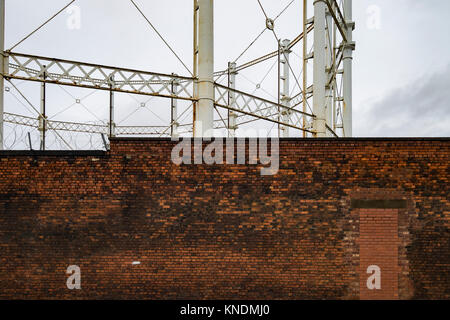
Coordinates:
421 108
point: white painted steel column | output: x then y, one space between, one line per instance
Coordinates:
319 69
334 84
329 70
174 109
232 100
347 77
112 124
203 126
285 99
195 64
42 117
305 62
2 68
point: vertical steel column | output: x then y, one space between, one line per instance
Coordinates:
195 65
305 62
204 115
336 71
174 109
285 99
279 89
330 71
232 99
112 125
2 68
319 127
42 116
347 77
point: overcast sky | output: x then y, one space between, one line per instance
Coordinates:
401 63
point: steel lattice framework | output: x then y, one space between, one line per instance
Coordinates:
329 94
85 75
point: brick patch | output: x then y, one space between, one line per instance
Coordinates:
378 243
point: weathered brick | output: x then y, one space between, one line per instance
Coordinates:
225 231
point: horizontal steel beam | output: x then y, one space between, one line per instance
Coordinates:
99 77
83 127
260 108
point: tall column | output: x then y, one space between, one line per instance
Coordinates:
112 124
319 80
174 109
305 61
329 70
2 68
347 77
232 99
204 113
285 99
336 119
43 116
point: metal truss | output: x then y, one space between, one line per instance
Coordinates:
79 74
329 93
20 120
85 127
259 108
86 75
142 130
92 76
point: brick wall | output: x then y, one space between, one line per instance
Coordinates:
225 231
